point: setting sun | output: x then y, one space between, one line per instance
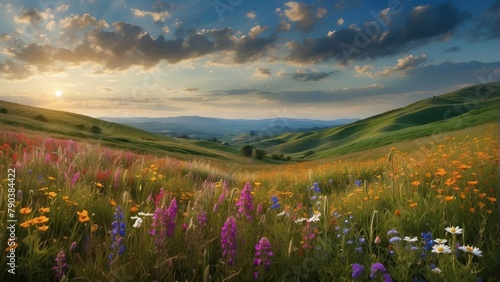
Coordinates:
58 93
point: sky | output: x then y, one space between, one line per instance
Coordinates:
243 59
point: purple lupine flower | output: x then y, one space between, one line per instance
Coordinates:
201 218
163 224
228 240
245 202
75 178
357 270
117 234
224 192
263 254
60 265
172 213
259 209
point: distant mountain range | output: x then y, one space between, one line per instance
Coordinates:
206 127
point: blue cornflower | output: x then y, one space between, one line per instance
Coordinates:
427 238
358 183
276 204
362 240
315 187
392 232
394 239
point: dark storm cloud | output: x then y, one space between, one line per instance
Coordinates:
453 49
422 25
249 48
310 76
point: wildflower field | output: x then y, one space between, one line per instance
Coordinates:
422 210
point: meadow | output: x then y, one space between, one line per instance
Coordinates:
419 210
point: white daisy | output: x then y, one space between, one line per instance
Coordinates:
410 240
441 248
472 250
315 217
453 230
440 241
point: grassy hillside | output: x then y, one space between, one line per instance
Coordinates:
79 127
459 109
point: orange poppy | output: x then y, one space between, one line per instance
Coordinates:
25 211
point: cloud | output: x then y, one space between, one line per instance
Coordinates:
62 8
346 4
486 25
420 27
191 89
262 72
256 30
11 70
50 25
78 22
32 16
453 49
156 16
306 16
403 65
129 45
304 76
340 21
400 68
251 15
283 26
363 70
248 48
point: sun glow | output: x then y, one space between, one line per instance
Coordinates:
58 93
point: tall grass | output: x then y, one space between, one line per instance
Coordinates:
337 220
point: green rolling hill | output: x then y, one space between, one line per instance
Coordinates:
465 107
60 124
